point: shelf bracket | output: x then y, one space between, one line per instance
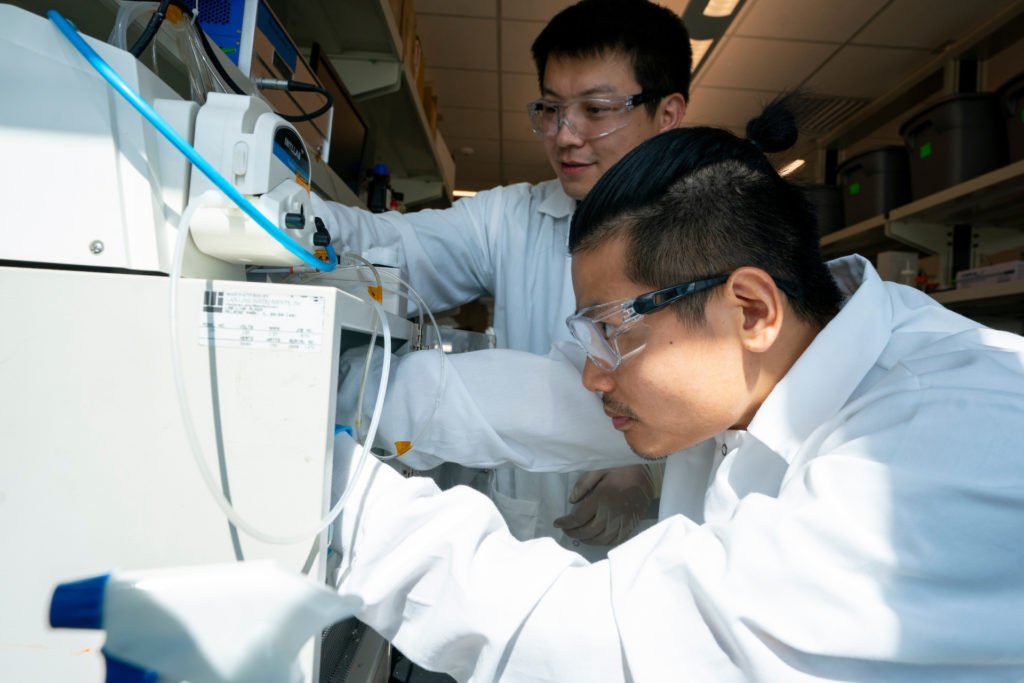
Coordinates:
369 74
992 240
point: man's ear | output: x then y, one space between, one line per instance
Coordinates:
671 112
759 305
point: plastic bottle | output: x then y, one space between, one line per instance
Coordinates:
378 190
245 621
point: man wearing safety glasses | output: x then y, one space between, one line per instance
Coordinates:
844 462
612 74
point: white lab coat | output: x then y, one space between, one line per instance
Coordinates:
865 527
510 242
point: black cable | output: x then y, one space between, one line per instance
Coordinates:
296 86
151 28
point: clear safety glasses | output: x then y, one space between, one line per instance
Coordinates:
612 332
587 117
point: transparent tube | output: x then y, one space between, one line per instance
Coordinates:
211 197
358 426
409 290
133 98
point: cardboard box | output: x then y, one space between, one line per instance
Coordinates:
430 107
1002 257
407 29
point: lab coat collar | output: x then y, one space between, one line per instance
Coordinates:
557 204
830 369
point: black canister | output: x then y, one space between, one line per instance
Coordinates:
874 182
953 140
1011 105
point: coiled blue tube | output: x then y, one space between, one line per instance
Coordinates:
150 114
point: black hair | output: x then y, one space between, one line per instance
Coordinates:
653 37
699 202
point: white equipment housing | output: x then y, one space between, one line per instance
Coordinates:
88 181
265 159
96 473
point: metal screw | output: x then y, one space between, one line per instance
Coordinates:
96 247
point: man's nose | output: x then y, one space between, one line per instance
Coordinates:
566 135
595 379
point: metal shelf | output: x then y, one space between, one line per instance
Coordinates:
865 238
1004 299
363 41
993 199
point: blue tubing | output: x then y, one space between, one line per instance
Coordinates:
150 114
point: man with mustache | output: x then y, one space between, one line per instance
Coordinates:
844 481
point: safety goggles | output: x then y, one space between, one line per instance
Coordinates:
612 332
587 117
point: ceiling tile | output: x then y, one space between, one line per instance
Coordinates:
517 90
725 108
516 39
468 123
524 152
533 10
473 49
473 174
763 64
473 149
516 126
465 8
815 20
464 88
858 71
927 24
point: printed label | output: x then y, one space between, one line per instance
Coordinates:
286 322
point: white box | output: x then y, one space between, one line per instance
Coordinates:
986 275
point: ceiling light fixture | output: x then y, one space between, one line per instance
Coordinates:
720 8
700 49
463 193
791 166
707 22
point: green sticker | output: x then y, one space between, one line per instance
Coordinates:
854 189
926 150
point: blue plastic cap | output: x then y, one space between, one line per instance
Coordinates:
338 429
119 671
381 169
79 604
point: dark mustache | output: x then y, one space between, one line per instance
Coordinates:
618 408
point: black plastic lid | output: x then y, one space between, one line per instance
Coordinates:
859 157
942 104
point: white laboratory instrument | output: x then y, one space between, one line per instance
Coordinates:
96 473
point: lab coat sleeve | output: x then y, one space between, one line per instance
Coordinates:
440 576
501 407
448 255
